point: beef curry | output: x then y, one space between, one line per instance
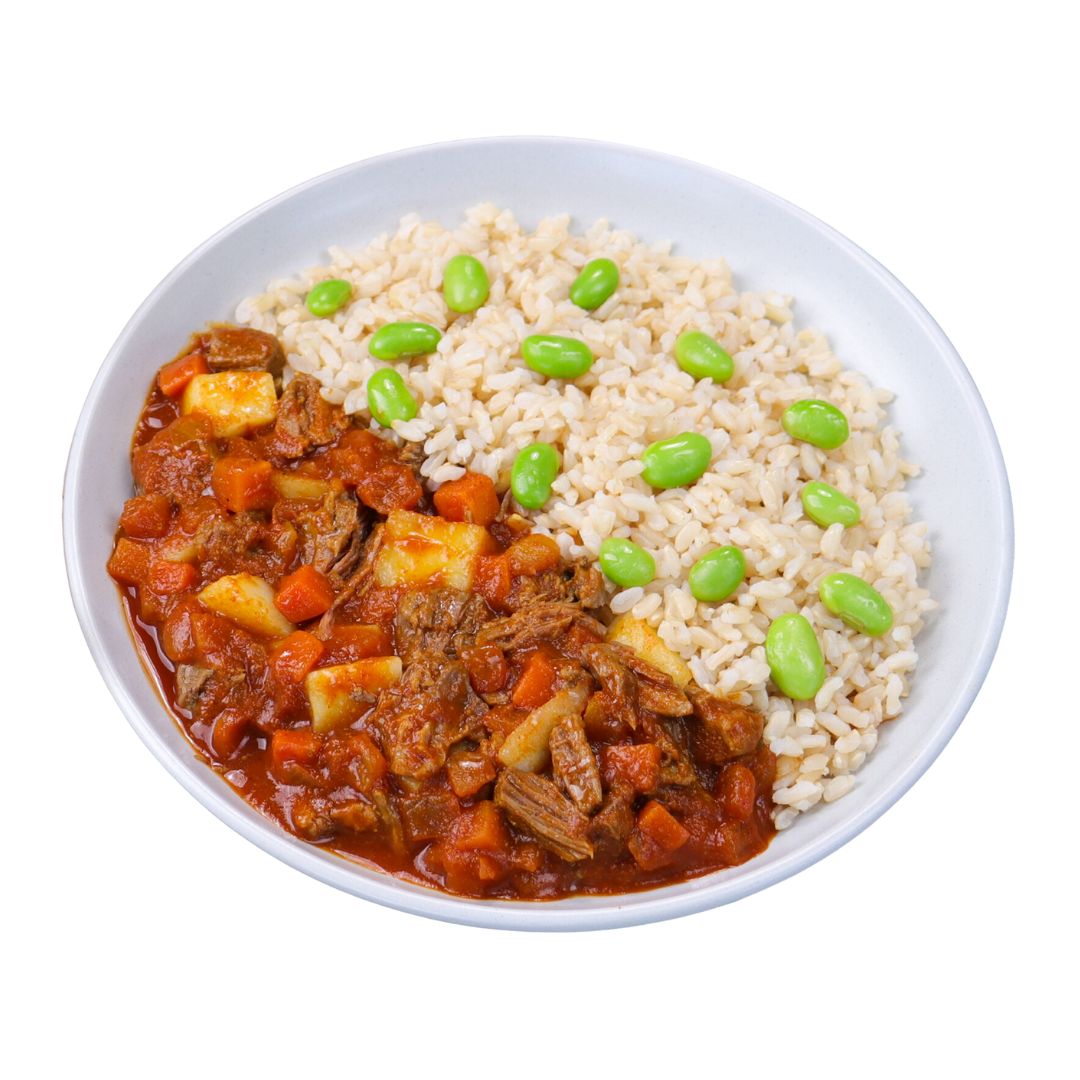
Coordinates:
414 680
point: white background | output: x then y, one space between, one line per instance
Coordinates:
142 938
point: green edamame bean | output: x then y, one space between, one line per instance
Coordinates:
858 603
596 282
389 398
826 506
717 574
328 296
702 357
465 284
676 462
400 340
557 357
532 474
626 563
794 657
816 422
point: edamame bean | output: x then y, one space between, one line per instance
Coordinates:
557 357
717 574
596 282
400 340
858 603
532 474
826 506
389 398
626 563
465 284
328 296
676 462
702 357
794 657
816 422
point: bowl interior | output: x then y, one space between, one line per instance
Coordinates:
873 323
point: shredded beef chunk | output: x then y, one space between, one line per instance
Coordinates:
191 680
676 765
617 680
611 827
438 620
332 535
240 349
422 716
576 583
574 764
536 623
304 419
359 582
722 729
537 807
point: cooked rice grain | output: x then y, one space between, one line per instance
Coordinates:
480 404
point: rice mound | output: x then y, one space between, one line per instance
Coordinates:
480 404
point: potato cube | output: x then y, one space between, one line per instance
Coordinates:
638 635
526 747
420 550
235 402
249 602
341 694
293 485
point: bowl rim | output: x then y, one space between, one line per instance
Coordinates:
584 913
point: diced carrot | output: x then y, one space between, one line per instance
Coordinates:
367 445
304 594
173 378
243 483
468 771
656 822
489 869
491 579
638 766
302 746
537 682
392 486
487 667
230 730
471 497
358 642
533 553
146 517
735 790
170 578
481 828
294 656
130 562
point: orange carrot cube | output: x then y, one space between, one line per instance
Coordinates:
304 594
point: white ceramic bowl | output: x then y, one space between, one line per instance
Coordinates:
874 324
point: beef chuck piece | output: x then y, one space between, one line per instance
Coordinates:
617 680
542 621
332 535
438 620
722 729
304 419
178 460
575 583
537 807
232 348
359 581
676 766
656 689
423 715
191 680
611 827
574 765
